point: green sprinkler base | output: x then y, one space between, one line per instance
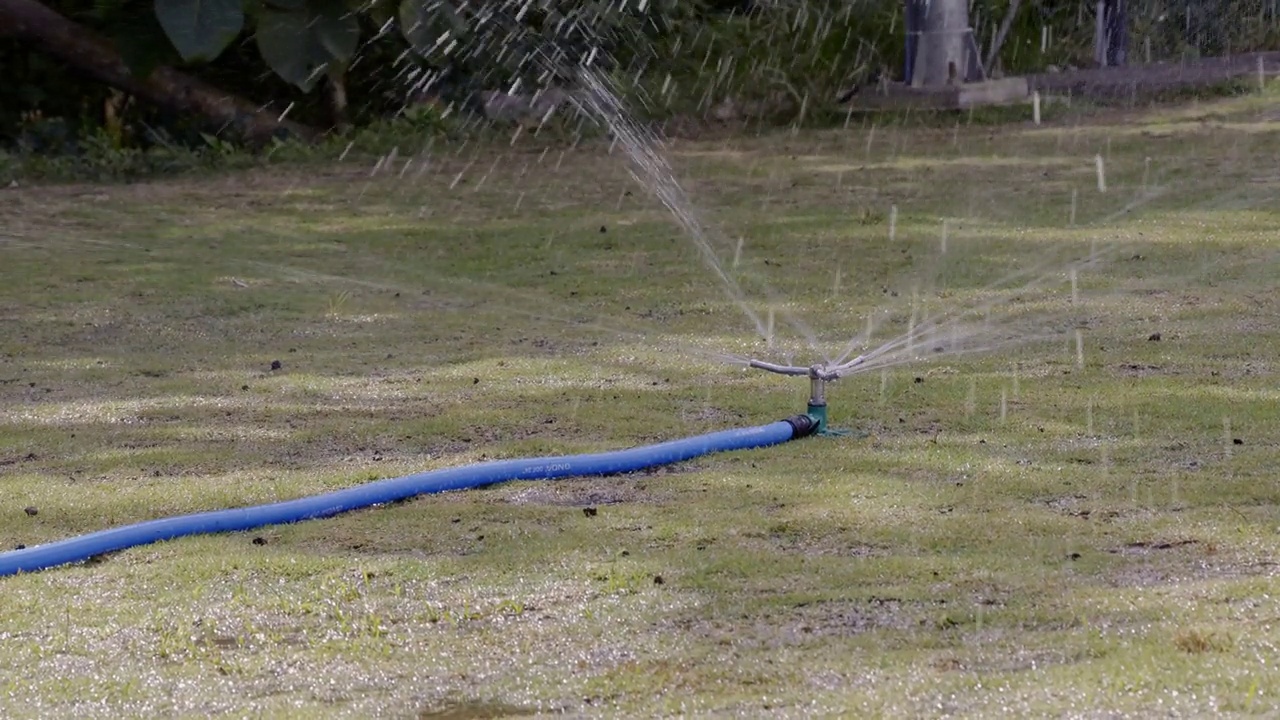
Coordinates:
819 415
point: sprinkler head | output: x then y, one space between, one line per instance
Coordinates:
818 375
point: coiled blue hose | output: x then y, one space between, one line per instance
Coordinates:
385 491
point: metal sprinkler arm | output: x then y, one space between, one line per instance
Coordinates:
776 368
844 368
820 371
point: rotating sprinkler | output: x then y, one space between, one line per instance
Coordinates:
819 375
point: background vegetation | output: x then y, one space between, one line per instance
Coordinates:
337 64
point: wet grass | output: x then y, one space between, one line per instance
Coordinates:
1106 543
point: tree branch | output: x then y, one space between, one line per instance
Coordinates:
994 51
32 22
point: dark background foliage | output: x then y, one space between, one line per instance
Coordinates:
684 55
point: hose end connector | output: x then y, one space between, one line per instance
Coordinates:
802 426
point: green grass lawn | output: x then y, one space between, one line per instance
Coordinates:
1043 530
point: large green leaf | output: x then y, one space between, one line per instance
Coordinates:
287 5
380 11
301 46
336 27
289 48
142 43
200 29
430 25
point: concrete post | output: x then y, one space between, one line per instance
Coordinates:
946 53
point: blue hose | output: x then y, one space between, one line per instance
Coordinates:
386 491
